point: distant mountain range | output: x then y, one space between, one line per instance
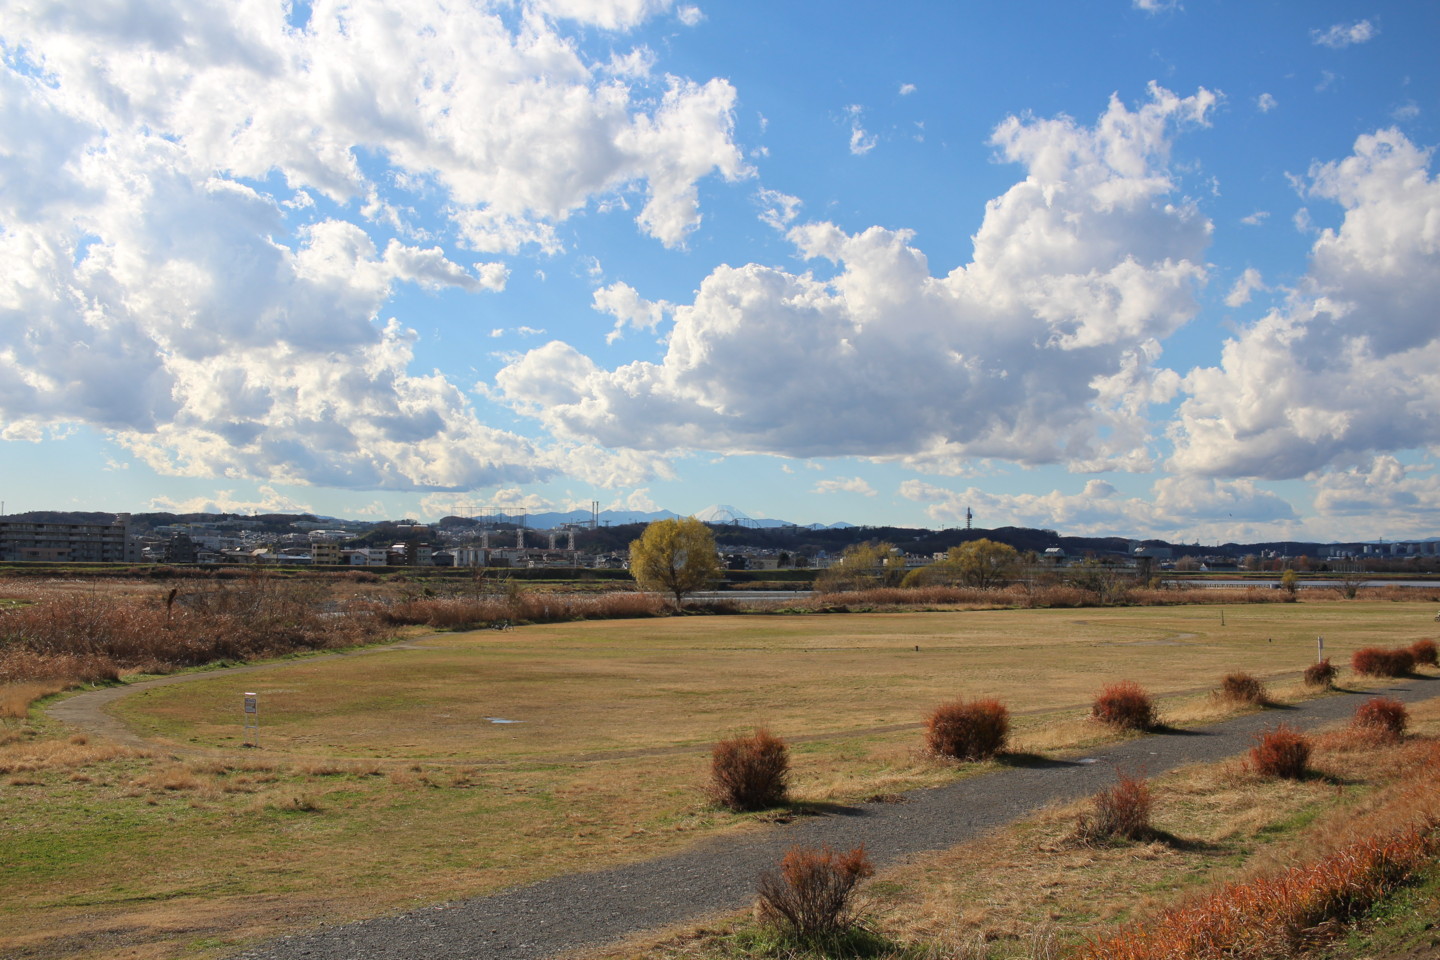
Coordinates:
719 514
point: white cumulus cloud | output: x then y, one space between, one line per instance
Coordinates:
845 485
172 276
1177 508
1350 366
1043 349
1247 284
225 501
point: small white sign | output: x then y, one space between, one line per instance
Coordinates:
250 703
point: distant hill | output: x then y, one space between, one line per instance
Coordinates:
734 529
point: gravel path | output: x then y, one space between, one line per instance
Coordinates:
589 909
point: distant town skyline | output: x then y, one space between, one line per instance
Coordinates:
1137 266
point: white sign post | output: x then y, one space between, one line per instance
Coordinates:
252 720
1319 649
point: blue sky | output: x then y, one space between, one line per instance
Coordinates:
1147 268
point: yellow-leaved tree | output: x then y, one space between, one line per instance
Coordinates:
676 557
984 563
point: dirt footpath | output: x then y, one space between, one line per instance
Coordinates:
580 910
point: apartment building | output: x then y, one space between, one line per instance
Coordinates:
22 540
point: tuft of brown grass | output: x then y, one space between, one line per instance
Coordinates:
1321 674
811 893
1125 705
750 773
1425 653
1281 752
1243 688
16 698
24 755
1121 812
968 730
1383 718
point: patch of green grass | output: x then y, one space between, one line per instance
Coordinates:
1404 926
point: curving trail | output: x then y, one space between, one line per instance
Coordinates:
569 913
87 710
576 911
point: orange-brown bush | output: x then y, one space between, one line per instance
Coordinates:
1243 688
1382 717
1278 914
968 730
1125 705
1397 594
812 891
1282 752
1379 662
750 773
529 606
1170 596
79 638
1425 653
1320 674
1122 811
933 595
1034 595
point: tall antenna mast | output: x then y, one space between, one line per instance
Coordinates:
968 516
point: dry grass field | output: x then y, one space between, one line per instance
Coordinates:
1031 891
383 783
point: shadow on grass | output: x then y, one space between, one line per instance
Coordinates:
1183 844
1329 779
811 808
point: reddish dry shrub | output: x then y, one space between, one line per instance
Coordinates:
750 773
460 612
812 891
1321 674
1171 596
1282 752
1382 717
1125 705
1379 662
968 730
1274 914
1243 688
1424 653
90 638
1121 812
